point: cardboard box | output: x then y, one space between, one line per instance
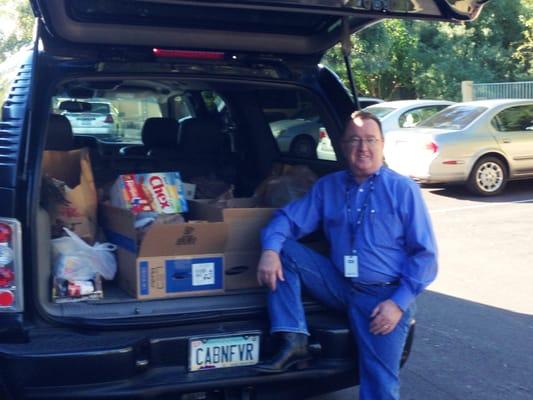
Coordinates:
240 269
173 260
73 170
243 247
245 220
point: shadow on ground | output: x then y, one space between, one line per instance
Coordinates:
465 350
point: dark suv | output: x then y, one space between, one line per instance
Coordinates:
216 65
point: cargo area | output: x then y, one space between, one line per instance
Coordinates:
165 210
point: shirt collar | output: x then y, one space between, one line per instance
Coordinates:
350 179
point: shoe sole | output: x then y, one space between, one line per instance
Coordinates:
296 364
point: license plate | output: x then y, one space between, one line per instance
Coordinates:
223 352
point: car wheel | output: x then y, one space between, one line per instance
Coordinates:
303 147
488 177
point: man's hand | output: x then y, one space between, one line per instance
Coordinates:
385 317
269 269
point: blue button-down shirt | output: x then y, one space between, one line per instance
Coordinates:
394 240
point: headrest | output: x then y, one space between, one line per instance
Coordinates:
200 136
160 132
59 133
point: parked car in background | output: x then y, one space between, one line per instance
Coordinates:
393 115
300 134
92 117
482 144
406 113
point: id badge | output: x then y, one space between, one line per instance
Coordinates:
351 267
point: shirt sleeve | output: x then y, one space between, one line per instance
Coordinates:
420 268
297 219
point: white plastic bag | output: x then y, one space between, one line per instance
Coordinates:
74 259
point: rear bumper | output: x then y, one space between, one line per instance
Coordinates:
55 364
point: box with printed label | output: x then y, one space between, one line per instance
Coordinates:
172 260
243 248
162 192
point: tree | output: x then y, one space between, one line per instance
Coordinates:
11 42
414 59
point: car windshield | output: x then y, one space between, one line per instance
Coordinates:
453 117
100 108
380 112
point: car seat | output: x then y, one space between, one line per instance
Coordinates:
59 136
159 137
203 150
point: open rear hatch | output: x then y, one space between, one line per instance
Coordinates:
302 27
291 27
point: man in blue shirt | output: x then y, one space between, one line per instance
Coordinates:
383 254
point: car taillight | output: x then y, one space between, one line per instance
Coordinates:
10 266
322 133
109 119
432 147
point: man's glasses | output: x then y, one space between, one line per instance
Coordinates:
357 141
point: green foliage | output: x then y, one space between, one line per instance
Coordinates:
416 59
11 42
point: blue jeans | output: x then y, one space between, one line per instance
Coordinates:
379 355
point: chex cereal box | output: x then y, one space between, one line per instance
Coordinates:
160 192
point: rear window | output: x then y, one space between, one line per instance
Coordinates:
453 117
380 112
119 118
294 120
100 108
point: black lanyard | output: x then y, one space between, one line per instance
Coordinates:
355 223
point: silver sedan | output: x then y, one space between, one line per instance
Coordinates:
482 144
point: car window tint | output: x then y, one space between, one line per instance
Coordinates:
294 121
456 118
100 108
117 118
415 116
519 118
380 112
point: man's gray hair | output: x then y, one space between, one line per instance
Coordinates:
366 115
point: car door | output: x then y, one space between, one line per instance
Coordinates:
514 132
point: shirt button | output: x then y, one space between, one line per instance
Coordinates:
358 210
361 190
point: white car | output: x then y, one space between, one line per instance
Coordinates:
93 117
481 144
393 115
406 113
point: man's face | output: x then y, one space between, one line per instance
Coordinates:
362 146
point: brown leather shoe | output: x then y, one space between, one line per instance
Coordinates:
293 353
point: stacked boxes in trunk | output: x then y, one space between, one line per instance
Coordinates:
171 260
243 246
219 251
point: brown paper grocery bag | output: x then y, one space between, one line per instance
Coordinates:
72 171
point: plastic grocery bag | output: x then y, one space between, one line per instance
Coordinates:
73 259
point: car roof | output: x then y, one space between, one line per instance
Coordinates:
302 27
408 103
496 102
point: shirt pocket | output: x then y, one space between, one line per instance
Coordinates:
387 230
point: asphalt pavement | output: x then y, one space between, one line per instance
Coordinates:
474 337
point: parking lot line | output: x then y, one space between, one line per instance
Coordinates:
444 210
